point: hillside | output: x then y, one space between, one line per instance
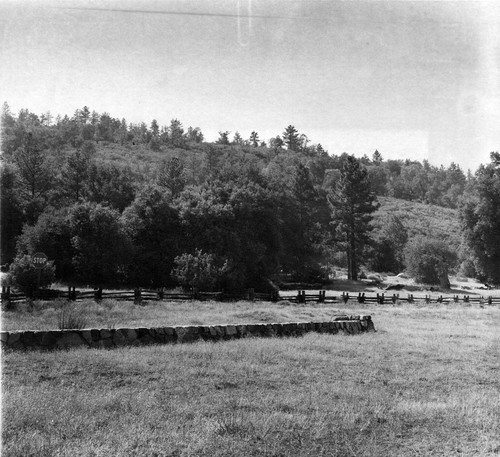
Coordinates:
421 219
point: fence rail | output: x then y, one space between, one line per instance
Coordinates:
138 295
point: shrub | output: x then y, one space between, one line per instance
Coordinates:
25 277
70 317
428 261
200 271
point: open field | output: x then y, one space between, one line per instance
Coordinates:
427 383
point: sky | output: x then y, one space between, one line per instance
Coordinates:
412 79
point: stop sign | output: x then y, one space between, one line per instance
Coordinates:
39 259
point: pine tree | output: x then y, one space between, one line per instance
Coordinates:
176 133
237 138
352 204
254 139
171 175
155 128
291 138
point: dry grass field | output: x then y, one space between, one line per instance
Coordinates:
427 383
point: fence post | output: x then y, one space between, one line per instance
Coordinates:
302 296
345 297
395 298
137 296
427 299
466 299
455 298
410 298
361 297
161 294
440 299
251 294
71 293
6 297
490 300
275 295
98 294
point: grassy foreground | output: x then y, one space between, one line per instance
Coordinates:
427 383
114 314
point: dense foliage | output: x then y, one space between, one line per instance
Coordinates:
429 261
480 215
110 201
27 277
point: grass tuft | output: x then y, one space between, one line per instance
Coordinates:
71 318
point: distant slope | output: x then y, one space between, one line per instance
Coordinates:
420 219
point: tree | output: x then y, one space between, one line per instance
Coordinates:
176 134
26 277
194 135
291 138
237 138
302 230
199 270
377 158
101 247
52 235
387 250
11 215
75 172
110 184
428 261
254 139
33 168
153 226
480 218
171 175
223 138
34 176
155 129
352 204
276 143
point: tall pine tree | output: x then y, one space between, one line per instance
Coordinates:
352 205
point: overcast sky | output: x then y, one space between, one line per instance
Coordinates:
413 79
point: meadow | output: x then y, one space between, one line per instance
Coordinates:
426 383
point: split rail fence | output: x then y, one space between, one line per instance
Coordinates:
139 295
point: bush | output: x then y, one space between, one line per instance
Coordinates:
25 277
200 271
70 317
428 261
468 269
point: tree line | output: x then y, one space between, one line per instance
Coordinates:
236 212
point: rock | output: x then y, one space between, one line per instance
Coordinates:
70 340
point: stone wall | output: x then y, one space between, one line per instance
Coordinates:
110 338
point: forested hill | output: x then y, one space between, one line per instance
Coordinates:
429 221
142 147
145 204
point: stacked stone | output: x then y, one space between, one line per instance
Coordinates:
110 338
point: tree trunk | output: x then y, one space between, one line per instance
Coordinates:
354 265
444 281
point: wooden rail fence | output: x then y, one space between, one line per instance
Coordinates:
138 295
